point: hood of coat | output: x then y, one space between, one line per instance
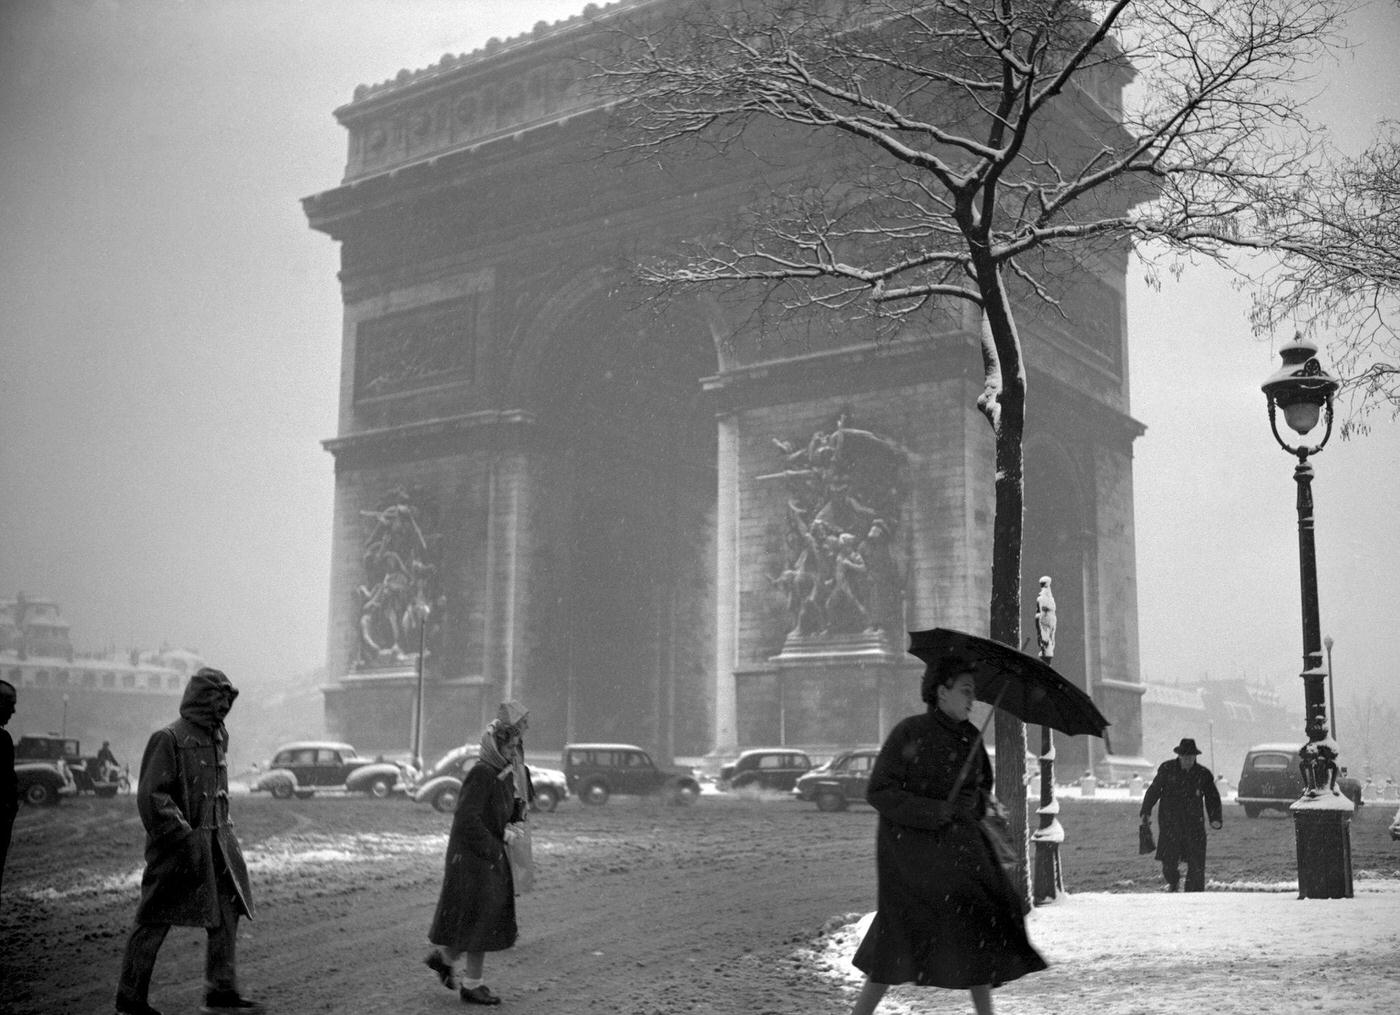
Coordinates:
208 697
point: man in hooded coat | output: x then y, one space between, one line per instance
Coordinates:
195 875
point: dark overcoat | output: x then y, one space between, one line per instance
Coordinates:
1179 794
948 916
476 907
192 854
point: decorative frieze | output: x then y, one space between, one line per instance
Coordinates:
419 348
843 583
401 557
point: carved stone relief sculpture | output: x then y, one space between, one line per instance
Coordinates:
845 493
400 556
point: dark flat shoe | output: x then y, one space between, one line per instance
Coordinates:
478 995
437 964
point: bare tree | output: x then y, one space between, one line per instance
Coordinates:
974 150
1338 237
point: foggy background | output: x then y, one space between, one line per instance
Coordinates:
170 342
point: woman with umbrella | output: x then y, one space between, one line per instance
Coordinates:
948 916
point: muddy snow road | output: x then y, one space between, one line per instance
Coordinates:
640 907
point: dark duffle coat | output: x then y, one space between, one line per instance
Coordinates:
1179 794
476 907
192 854
948 916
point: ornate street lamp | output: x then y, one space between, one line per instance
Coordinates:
1303 390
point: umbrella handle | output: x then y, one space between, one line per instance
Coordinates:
981 733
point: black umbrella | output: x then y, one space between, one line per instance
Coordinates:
1013 681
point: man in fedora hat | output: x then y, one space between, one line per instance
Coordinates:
1182 786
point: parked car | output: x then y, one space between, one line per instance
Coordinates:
776 768
839 782
1270 778
306 767
87 774
441 783
44 782
596 771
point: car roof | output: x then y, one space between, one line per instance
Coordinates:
602 747
299 745
1290 747
771 750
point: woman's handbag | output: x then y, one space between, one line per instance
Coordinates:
520 856
1145 843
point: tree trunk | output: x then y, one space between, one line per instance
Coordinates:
1008 424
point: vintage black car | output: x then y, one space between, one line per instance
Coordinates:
441 783
43 782
304 768
85 773
775 768
595 772
840 782
1270 779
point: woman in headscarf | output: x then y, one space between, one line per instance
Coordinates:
948 916
476 907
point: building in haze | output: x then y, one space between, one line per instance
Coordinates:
670 529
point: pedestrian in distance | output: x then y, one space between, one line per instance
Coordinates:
476 906
9 785
948 915
195 875
1183 787
107 767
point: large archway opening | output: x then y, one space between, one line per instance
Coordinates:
1054 539
626 410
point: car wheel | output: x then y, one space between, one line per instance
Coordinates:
745 782
106 791
381 788
39 794
546 799
282 790
594 793
445 800
831 802
1250 811
305 794
685 794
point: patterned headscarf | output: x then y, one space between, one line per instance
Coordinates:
510 719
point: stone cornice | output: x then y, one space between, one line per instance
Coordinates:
503 89
427 432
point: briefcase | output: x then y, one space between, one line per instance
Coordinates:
1145 843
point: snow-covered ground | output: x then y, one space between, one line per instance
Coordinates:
1242 952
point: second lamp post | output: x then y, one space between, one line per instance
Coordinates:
1303 391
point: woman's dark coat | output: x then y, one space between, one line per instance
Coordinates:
948 916
192 854
1181 792
476 907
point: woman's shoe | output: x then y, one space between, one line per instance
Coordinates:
439 965
478 995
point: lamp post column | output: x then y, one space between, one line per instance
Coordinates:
1047 878
1302 391
1322 818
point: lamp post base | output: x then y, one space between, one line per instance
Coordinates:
1047 883
1322 826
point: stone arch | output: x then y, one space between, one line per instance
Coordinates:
595 293
1057 541
625 445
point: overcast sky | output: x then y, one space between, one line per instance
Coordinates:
169 349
